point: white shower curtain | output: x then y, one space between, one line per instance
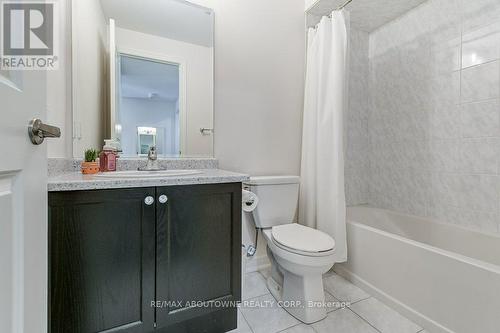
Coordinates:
322 196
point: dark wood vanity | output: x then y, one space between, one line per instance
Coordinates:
128 260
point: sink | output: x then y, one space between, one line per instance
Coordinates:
147 174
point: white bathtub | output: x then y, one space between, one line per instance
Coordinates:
444 277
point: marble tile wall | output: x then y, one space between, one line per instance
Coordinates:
434 120
356 121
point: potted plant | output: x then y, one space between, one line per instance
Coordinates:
90 166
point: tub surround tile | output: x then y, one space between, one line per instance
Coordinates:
479 155
479 13
343 320
266 316
76 181
444 154
481 45
480 119
481 82
383 318
356 135
445 122
444 89
446 56
434 111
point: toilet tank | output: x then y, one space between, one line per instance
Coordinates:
278 199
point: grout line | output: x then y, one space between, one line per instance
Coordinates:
479 101
360 300
366 321
474 66
246 321
251 298
265 284
295 326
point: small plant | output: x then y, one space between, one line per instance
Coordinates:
89 165
90 155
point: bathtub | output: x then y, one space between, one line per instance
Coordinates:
445 278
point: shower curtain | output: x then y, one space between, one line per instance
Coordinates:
322 196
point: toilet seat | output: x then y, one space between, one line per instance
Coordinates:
302 240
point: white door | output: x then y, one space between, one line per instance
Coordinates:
23 205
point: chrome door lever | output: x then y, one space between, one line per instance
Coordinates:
38 131
206 131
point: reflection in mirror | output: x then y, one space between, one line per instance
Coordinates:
148 107
157 57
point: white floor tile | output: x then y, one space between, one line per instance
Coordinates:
383 318
332 303
255 285
342 289
242 325
264 315
343 320
300 328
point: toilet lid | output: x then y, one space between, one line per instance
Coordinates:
302 238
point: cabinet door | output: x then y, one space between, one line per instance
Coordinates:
101 264
198 257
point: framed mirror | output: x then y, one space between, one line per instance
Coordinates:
143 76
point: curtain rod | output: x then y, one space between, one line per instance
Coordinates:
340 7
344 4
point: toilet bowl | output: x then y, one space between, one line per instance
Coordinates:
299 255
296 278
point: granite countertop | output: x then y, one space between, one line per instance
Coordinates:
76 181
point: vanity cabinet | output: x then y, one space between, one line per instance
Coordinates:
158 259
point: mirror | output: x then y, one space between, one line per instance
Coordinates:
143 76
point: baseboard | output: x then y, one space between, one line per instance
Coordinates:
254 264
403 309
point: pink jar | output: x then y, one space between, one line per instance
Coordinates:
107 160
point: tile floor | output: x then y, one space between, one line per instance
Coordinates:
365 314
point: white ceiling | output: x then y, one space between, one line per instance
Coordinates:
366 15
141 78
174 19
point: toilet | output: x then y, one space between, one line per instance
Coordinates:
299 255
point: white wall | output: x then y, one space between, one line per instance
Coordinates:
89 74
199 82
259 80
259 83
58 89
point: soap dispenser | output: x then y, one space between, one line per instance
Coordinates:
108 156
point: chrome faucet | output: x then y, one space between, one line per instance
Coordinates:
152 164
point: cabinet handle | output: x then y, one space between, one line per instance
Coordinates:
149 200
163 198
